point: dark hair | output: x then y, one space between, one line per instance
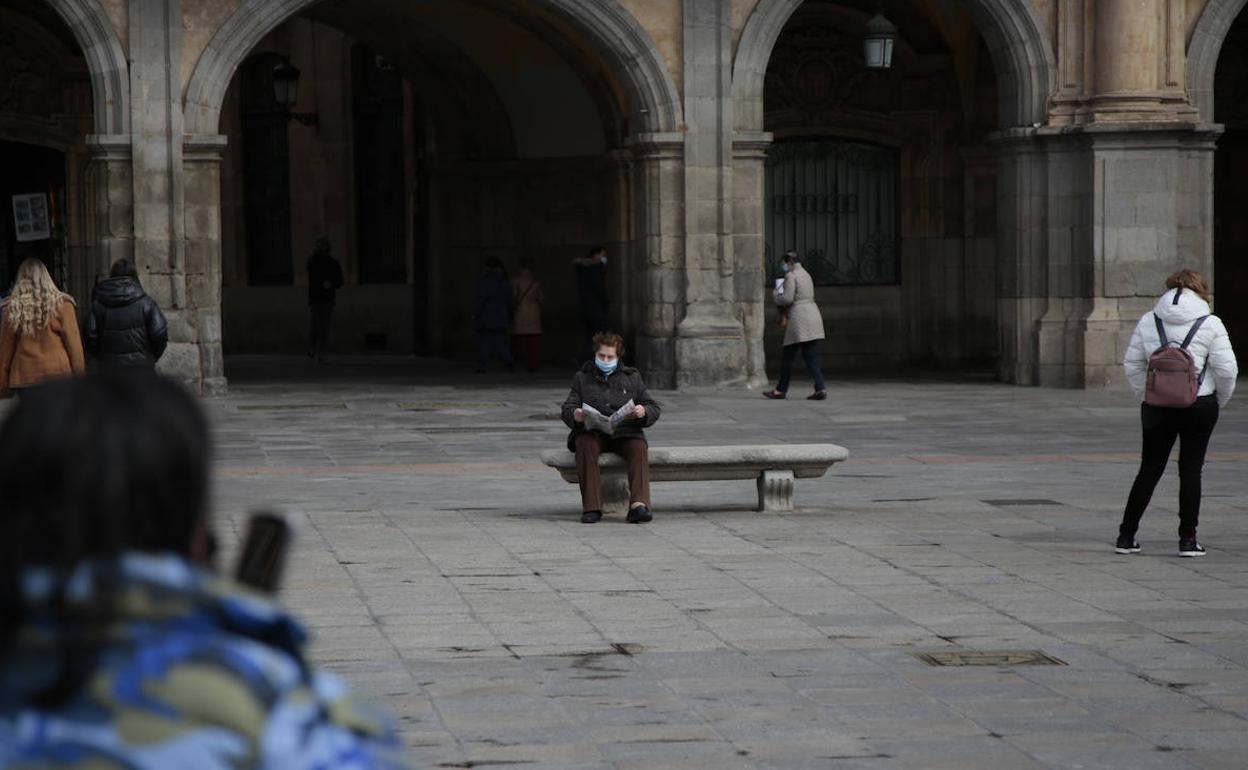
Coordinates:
596 250
610 340
91 468
494 263
123 268
792 256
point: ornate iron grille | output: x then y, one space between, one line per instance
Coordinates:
835 203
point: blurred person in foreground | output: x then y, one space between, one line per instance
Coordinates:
119 647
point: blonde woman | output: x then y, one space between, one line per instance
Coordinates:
39 337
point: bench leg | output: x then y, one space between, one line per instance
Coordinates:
615 493
775 491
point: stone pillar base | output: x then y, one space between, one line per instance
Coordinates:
614 492
711 350
775 491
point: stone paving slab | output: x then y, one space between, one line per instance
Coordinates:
442 569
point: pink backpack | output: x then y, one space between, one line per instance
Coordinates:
1172 377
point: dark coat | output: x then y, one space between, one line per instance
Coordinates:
591 290
323 269
125 326
607 394
494 300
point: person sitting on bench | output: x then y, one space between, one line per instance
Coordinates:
607 386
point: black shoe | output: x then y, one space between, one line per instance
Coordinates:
1189 547
591 517
1126 545
639 515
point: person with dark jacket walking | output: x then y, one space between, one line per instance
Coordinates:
494 304
606 385
324 281
591 291
125 326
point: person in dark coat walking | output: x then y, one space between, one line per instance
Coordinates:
606 385
324 281
125 326
591 290
494 303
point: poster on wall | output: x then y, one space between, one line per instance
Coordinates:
30 217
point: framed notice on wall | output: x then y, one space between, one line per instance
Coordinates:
30 217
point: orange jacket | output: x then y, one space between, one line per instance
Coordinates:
51 352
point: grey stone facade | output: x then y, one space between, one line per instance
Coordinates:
1103 183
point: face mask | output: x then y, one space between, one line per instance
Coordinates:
606 368
604 260
785 266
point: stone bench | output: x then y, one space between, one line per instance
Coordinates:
774 466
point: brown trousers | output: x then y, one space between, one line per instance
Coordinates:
589 446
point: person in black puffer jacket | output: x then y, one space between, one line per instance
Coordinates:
125 326
607 385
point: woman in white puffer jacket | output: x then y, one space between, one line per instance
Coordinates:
1185 303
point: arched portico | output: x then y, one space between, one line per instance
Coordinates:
1020 48
629 79
106 60
1022 55
1203 50
653 98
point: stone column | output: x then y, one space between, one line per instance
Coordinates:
1151 214
710 347
156 125
1022 271
658 250
112 190
1139 67
749 155
201 318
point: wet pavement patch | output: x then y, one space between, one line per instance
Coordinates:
289 407
433 406
988 658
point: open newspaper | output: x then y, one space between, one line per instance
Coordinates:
596 420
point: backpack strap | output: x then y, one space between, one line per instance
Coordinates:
1161 330
1191 335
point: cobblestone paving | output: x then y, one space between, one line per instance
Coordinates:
442 569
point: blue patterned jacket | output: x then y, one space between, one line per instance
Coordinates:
196 675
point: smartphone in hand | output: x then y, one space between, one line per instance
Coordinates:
263 556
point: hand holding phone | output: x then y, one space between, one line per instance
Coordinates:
263 555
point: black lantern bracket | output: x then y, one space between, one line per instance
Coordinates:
286 93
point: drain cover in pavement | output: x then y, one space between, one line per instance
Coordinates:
988 658
1006 503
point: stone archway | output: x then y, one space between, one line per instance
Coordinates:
1203 49
1015 34
106 60
654 99
634 78
1023 57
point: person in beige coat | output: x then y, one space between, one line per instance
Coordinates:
39 339
803 327
526 326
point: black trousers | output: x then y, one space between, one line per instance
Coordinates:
1192 426
812 364
318 335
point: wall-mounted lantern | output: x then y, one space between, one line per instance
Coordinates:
286 93
877 44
